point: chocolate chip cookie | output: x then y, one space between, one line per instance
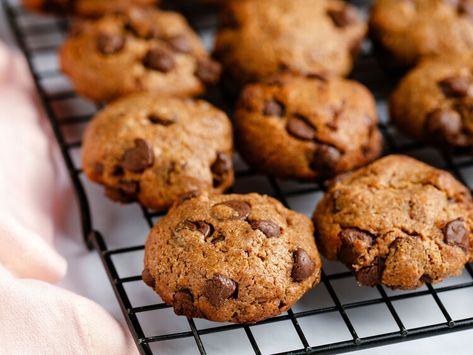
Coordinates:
236 258
407 30
141 50
258 38
153 149
86 8
434 102
307 128
397 222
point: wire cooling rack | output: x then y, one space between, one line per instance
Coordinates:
336 316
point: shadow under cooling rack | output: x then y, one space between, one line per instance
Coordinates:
330 318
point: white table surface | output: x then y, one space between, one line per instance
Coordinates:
86 275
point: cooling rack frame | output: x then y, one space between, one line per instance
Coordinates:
94 239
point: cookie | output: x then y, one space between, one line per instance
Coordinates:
397 222
142 50
153 149
434 103
86 8
259 38
407 30
307 128
235 258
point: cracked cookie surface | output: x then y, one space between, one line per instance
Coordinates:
434 102
259 38
139 50
153 149
237 258
307 127
86 8
397 222
407 30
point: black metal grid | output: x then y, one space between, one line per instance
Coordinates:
365 73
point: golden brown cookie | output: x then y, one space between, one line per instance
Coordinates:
307 127
434 102
259 38
154 149
397 222
142 50
86 8
407 30
236 258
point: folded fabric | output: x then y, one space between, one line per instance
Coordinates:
27 178
37 317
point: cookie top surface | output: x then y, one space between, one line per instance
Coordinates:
398 222
411 29
237 258
307 127
258 38
434 102
153 149
86 8
141 50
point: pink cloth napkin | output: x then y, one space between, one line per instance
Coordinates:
37 317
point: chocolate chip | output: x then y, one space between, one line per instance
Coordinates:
219 289
303 266
118 171
204 228
159 59
456 233
159 119
354 243
241 209
138 158
273 108
58 6
148 278
218 238
187 196
443 125
299 127
465 7
325 159
183 304
110 42
98 169
268 228
456 86
208 71
220 168
124 192
370 275
344 17
180 43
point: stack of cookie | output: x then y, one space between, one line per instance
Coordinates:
244 258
